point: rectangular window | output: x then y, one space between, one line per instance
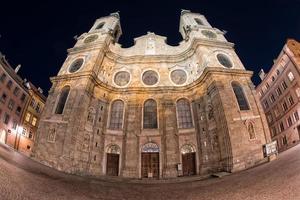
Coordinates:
23 97
14 126
38 108
16 91
6 118
11 104
2 77
284 106
24 132
298 92
27 117
289 121
284 140
3 98
296 116
272 98
281 126
284 85
278 91
291 76
32 103
34 120
291 100
267 85
18 110
273 131
30 134
9 84
266 104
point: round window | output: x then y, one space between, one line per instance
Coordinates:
209 34
76 65
90 39
122 78
178 76
150 77
224 60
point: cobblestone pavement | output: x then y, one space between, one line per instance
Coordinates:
22 178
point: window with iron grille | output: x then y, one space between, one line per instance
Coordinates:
116 115
240 96
150 114
62 100
184 115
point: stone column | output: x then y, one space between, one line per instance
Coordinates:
130 151
170 139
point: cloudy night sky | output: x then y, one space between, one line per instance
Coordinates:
38 34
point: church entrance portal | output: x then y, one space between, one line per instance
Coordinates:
150 161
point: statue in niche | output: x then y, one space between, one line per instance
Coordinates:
214 140
210 113
51 135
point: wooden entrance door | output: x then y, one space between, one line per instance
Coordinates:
112 165
188 164
150 165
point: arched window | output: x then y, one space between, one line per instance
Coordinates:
199 22
116 115
150 114
62 100
184 115
240 96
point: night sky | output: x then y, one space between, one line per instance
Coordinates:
38 34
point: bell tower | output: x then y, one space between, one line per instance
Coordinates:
68 124
195 25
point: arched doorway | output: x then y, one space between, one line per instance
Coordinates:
112 160
150 160
188 155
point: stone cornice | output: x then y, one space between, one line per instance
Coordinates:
185 54
201 80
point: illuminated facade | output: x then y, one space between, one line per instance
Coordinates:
152 110
279 94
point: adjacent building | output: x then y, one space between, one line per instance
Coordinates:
279 93
16 96
152 110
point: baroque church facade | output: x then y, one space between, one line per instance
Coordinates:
152 110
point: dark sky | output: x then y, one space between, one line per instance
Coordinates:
38 34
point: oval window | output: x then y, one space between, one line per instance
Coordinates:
150 77
178 76
76 65
224 60
122 78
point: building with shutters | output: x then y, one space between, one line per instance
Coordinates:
152 110
279 93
